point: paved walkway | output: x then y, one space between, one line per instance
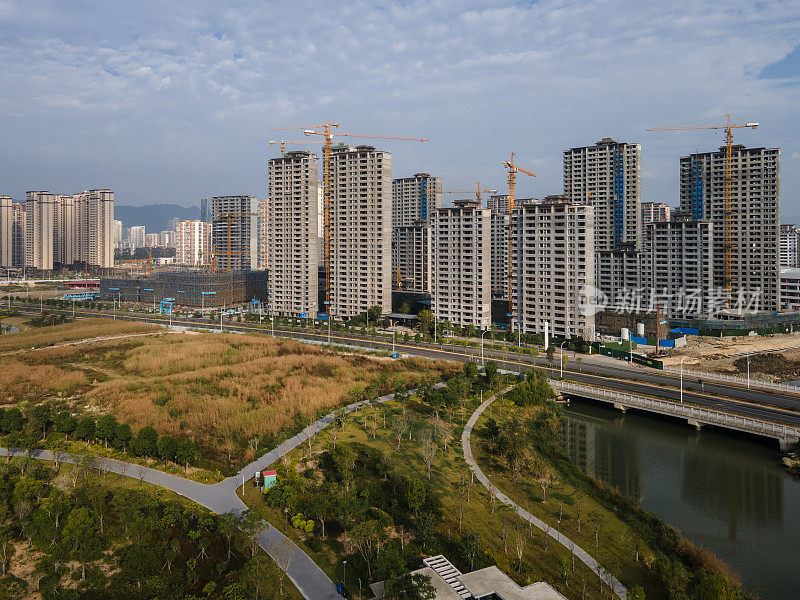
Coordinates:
584 556
221 498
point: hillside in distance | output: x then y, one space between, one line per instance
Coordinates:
154 217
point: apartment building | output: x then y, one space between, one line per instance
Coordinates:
678 267
235 232
411 256
462 280
499 226
790 247
499 203
94 213
193 243
293 234
415 198
607 176
361 236
118 239
263 250
7 230
755 218
790 288
553 253
137 237
655 212
39 230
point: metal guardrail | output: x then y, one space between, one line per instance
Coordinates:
754 383
701 415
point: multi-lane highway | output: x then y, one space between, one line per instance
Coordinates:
779 407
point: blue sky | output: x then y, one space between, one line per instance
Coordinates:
172 101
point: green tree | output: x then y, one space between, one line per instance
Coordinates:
122 436
712 585
144 444
13 420
374 313
106 429
78 536
187 453
85 429
425 321
65 423
491 372
471 370
367 538
41 417
167 447
550 354
416 495
410 587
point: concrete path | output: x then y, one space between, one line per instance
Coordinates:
584 556
221 498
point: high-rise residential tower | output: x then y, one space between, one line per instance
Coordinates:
235 232
193 243
462 277
39 233
415 198
607 176
754 219
361 237
553 250
94 216
293 234
654 212
6 229
790 247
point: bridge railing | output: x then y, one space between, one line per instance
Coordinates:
754 383
704 415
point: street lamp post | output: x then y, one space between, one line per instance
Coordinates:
682 359
562 358
344 574
483 361
393 332
748 370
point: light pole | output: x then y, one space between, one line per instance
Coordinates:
682 359
393 332
483 361
748 370
344 574
562 358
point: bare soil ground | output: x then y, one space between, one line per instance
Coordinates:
772 358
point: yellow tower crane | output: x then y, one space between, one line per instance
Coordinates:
513 169
477 191
728 129
284 142
326 131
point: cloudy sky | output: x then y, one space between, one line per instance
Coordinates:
172 101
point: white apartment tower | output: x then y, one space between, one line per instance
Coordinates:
654 212
6 229
678 267
754 221
499 252
790 247
361 236
94 218
193 243
263 251
293 234
553 250
235 232
608 176
462 277
415 198
39 224
413 201
137 237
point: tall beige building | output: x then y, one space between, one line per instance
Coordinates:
553 254
655 212
293 234
361 236
39 230
235 220
462 280
415 198
499 252
193 243
6 229
263 246
755 217
95 228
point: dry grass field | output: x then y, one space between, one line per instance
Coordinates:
233 394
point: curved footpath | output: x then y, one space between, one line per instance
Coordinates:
221 498
584 556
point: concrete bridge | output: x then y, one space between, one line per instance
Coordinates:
786 435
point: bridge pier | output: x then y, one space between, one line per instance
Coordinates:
694 423
619 407
786 443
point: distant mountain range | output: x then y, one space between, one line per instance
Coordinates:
154 217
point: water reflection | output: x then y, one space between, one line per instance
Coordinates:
727 494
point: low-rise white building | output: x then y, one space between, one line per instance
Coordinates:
790 289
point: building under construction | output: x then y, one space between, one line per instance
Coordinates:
188 288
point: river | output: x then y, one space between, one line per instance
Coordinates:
727 494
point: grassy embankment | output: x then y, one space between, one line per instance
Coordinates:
466 507
234 395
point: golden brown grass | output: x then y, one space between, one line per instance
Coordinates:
69 332
230 393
